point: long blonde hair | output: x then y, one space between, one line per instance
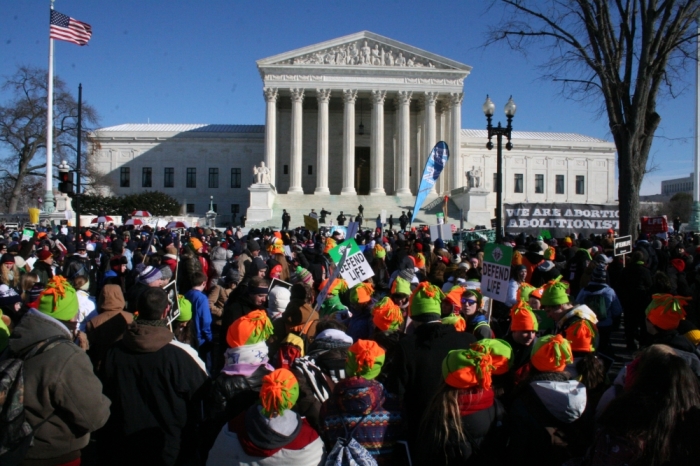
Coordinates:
442 422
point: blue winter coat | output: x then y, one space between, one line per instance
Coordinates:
612 303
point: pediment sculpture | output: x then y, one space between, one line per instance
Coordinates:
363 52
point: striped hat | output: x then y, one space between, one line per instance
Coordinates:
386 315
365 359
250 329
279 392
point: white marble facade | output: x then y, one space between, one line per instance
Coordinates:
407 100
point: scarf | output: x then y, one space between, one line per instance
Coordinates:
245 360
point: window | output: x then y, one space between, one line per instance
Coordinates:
518 188
286 169
235 208
169 177
213 177
310 170
235 177
190 208
146 178
580 184
560 184
495 182
191 178
539 184
124 177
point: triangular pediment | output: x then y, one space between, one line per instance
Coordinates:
364 49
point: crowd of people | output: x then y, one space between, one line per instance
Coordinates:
204 347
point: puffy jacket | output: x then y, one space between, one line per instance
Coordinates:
219 257
60 390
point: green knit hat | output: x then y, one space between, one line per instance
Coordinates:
555 293
59 300
500 350
524 291
426 299
365 359
185 309
331 304
551 353
401 285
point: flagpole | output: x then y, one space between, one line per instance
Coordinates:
48 197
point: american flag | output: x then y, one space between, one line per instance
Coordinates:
71 30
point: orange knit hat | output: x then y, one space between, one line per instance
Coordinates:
196 244
276 246
582 335
386 315
361 293
457 320
666 311
279 392
330 244
522 318
467 368
454 296
500 351
551 354
250 329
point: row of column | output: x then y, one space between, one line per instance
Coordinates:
403 102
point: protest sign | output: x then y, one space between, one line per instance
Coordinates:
495 271
27 234
654 224
622 246
310 223
355 268
560 220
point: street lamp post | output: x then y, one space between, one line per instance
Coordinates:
489 107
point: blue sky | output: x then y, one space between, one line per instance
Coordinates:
185 61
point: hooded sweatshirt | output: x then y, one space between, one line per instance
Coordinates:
109 325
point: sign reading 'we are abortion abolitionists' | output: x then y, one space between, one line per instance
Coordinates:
561 219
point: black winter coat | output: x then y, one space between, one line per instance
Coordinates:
416 372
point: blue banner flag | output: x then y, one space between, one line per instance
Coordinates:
433 167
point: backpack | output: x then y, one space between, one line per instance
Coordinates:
597 304
16 434
348 451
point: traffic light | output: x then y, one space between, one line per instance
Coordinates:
65 179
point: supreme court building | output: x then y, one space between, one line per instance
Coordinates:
351 117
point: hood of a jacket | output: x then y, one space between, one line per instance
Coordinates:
545 266
270 433
580 311
111 299
359 396
146 339
34 327
596 288
566 401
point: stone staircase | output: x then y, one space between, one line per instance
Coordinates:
299 205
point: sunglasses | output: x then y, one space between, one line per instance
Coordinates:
469 302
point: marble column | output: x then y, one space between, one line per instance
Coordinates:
349 97
323 96
456 139
404 142
430 132
296 145
271 94
377 148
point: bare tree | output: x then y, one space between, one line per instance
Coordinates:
23 127
623 53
